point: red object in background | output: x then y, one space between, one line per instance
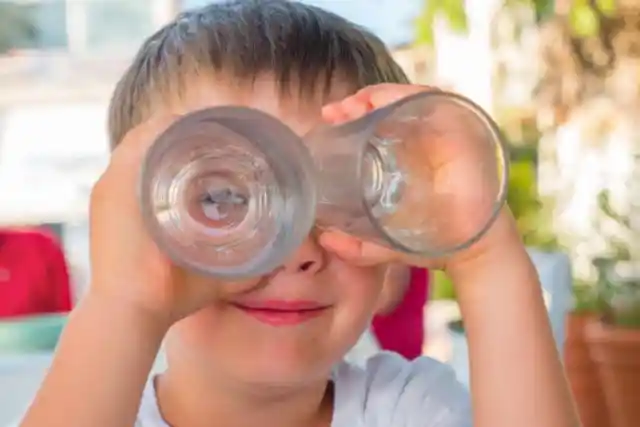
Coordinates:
402 330
34 278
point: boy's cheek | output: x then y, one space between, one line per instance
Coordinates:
363 284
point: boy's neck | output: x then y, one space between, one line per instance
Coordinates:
190 400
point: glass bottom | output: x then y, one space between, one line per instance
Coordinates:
220 208
426 175
414 207
220 199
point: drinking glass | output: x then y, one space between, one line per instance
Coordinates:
228 192
232 192
426 175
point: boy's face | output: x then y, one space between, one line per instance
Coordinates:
293 325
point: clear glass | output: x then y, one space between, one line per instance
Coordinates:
425 175
228 192
232 192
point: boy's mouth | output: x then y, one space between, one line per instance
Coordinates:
282 312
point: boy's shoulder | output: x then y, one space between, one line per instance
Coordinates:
390 390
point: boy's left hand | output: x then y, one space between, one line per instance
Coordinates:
454 160
502 235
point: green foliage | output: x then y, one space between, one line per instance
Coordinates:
618 295
584 17
543 8
532 214
618 287
522 190
452 11
607 7
628 317
15 27
584 20
442 287
586 299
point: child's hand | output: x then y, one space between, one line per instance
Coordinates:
451 167
127 266
501 235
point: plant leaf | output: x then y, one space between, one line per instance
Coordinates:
583 20
607 7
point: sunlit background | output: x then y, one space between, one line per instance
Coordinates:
561 78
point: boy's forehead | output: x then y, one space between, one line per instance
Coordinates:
300 110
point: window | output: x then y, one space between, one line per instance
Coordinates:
191 4
118 23
32 25
79 25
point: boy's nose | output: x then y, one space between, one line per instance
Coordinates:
309 259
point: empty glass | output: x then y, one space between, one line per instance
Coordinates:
424 175
232 192
228 192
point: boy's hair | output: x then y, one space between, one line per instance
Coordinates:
301 46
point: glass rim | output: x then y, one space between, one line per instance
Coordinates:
293 225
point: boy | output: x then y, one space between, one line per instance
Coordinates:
228 365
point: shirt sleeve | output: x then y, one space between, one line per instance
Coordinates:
419 393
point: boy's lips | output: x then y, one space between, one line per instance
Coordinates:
282 312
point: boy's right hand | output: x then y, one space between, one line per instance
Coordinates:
127 266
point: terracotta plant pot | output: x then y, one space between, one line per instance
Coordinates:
582 374
616 353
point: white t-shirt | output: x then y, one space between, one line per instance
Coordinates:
366 347
388 391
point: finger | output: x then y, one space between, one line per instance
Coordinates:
354 250
334 114
331 113
387 93
355 108
343 245
368 99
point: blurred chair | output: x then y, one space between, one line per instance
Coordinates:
34 276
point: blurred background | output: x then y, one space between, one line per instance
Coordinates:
562 79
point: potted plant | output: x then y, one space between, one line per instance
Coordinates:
614 343
614 337
580 368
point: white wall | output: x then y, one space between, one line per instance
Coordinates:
50 156
465 61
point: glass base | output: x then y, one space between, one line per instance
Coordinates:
228 192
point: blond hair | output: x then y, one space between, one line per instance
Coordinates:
243 39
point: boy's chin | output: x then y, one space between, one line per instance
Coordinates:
278 376
283 371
